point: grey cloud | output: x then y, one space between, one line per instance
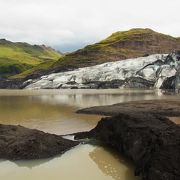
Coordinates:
70 24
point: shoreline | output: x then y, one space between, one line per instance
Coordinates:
170 108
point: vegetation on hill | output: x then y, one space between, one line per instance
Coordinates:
121 45
39 60
34 71
19 57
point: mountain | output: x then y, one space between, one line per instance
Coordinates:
119 46
19 57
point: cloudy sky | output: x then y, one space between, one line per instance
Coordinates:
71 24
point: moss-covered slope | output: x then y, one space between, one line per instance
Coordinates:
19 57
119 46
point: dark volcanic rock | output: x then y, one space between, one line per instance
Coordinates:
140 131
151 142
17 142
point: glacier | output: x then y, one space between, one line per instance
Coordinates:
153 71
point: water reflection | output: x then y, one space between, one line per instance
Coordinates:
76 164
102 97
111 164
54 111
36 112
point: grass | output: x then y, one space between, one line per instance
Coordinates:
8 67
40 67
16 58
18 55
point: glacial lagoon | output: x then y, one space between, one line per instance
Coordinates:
53 111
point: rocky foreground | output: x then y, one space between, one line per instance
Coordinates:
141 132
17 143
138 130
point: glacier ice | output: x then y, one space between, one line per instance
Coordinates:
153 70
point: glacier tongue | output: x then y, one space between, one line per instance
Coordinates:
147 71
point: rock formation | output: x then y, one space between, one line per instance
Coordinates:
17 143
151 141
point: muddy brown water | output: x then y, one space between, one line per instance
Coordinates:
53 111
176 120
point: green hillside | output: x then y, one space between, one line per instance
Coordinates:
19 57
120 45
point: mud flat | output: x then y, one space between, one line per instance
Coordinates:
169 108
